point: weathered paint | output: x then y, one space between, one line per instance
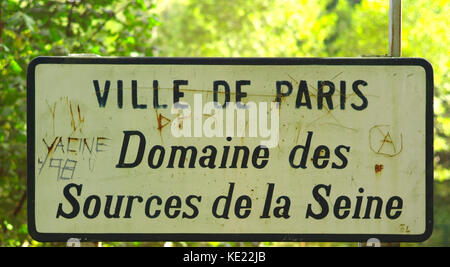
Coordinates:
392 129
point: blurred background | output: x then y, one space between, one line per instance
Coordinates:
208 28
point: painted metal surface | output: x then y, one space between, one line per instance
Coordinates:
342 151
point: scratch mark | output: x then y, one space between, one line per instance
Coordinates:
160 118
80 119
337 75
52 111
387 139
72 119
298 133
50 150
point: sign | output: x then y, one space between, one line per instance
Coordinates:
230 149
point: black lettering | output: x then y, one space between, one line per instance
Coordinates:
282 211
342 94
390 206
379 201
328 95
151 156
209 158
108 205
123 152
156 96
240 94
134 96
72 200
244 160
192 206
321 152
87 205
102 98
358 204
339 154
130 205
120 93
360 94
303 91
280 93
257 155
338 207
226 207
148 204
177 94
239 206
183 151
172 203
226 87
226 150
305 148
321 200
268 202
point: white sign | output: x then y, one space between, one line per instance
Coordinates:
230 149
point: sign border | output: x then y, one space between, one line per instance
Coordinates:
319 237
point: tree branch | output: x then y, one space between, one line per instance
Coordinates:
69 32
1 23
20 204
110 15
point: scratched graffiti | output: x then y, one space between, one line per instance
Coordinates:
64 109
63 154
66 146
384 141
64 172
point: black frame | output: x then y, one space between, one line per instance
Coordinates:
45 237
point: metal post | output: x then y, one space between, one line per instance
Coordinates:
395 28
395 50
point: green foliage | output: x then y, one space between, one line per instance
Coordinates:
36 28
239 28
332 28
424 34
244 28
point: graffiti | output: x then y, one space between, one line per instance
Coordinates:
383 142
64 154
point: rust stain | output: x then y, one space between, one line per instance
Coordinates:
161 125
69 139
378 168
80 119
51 147
72 120
52 111
160 118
